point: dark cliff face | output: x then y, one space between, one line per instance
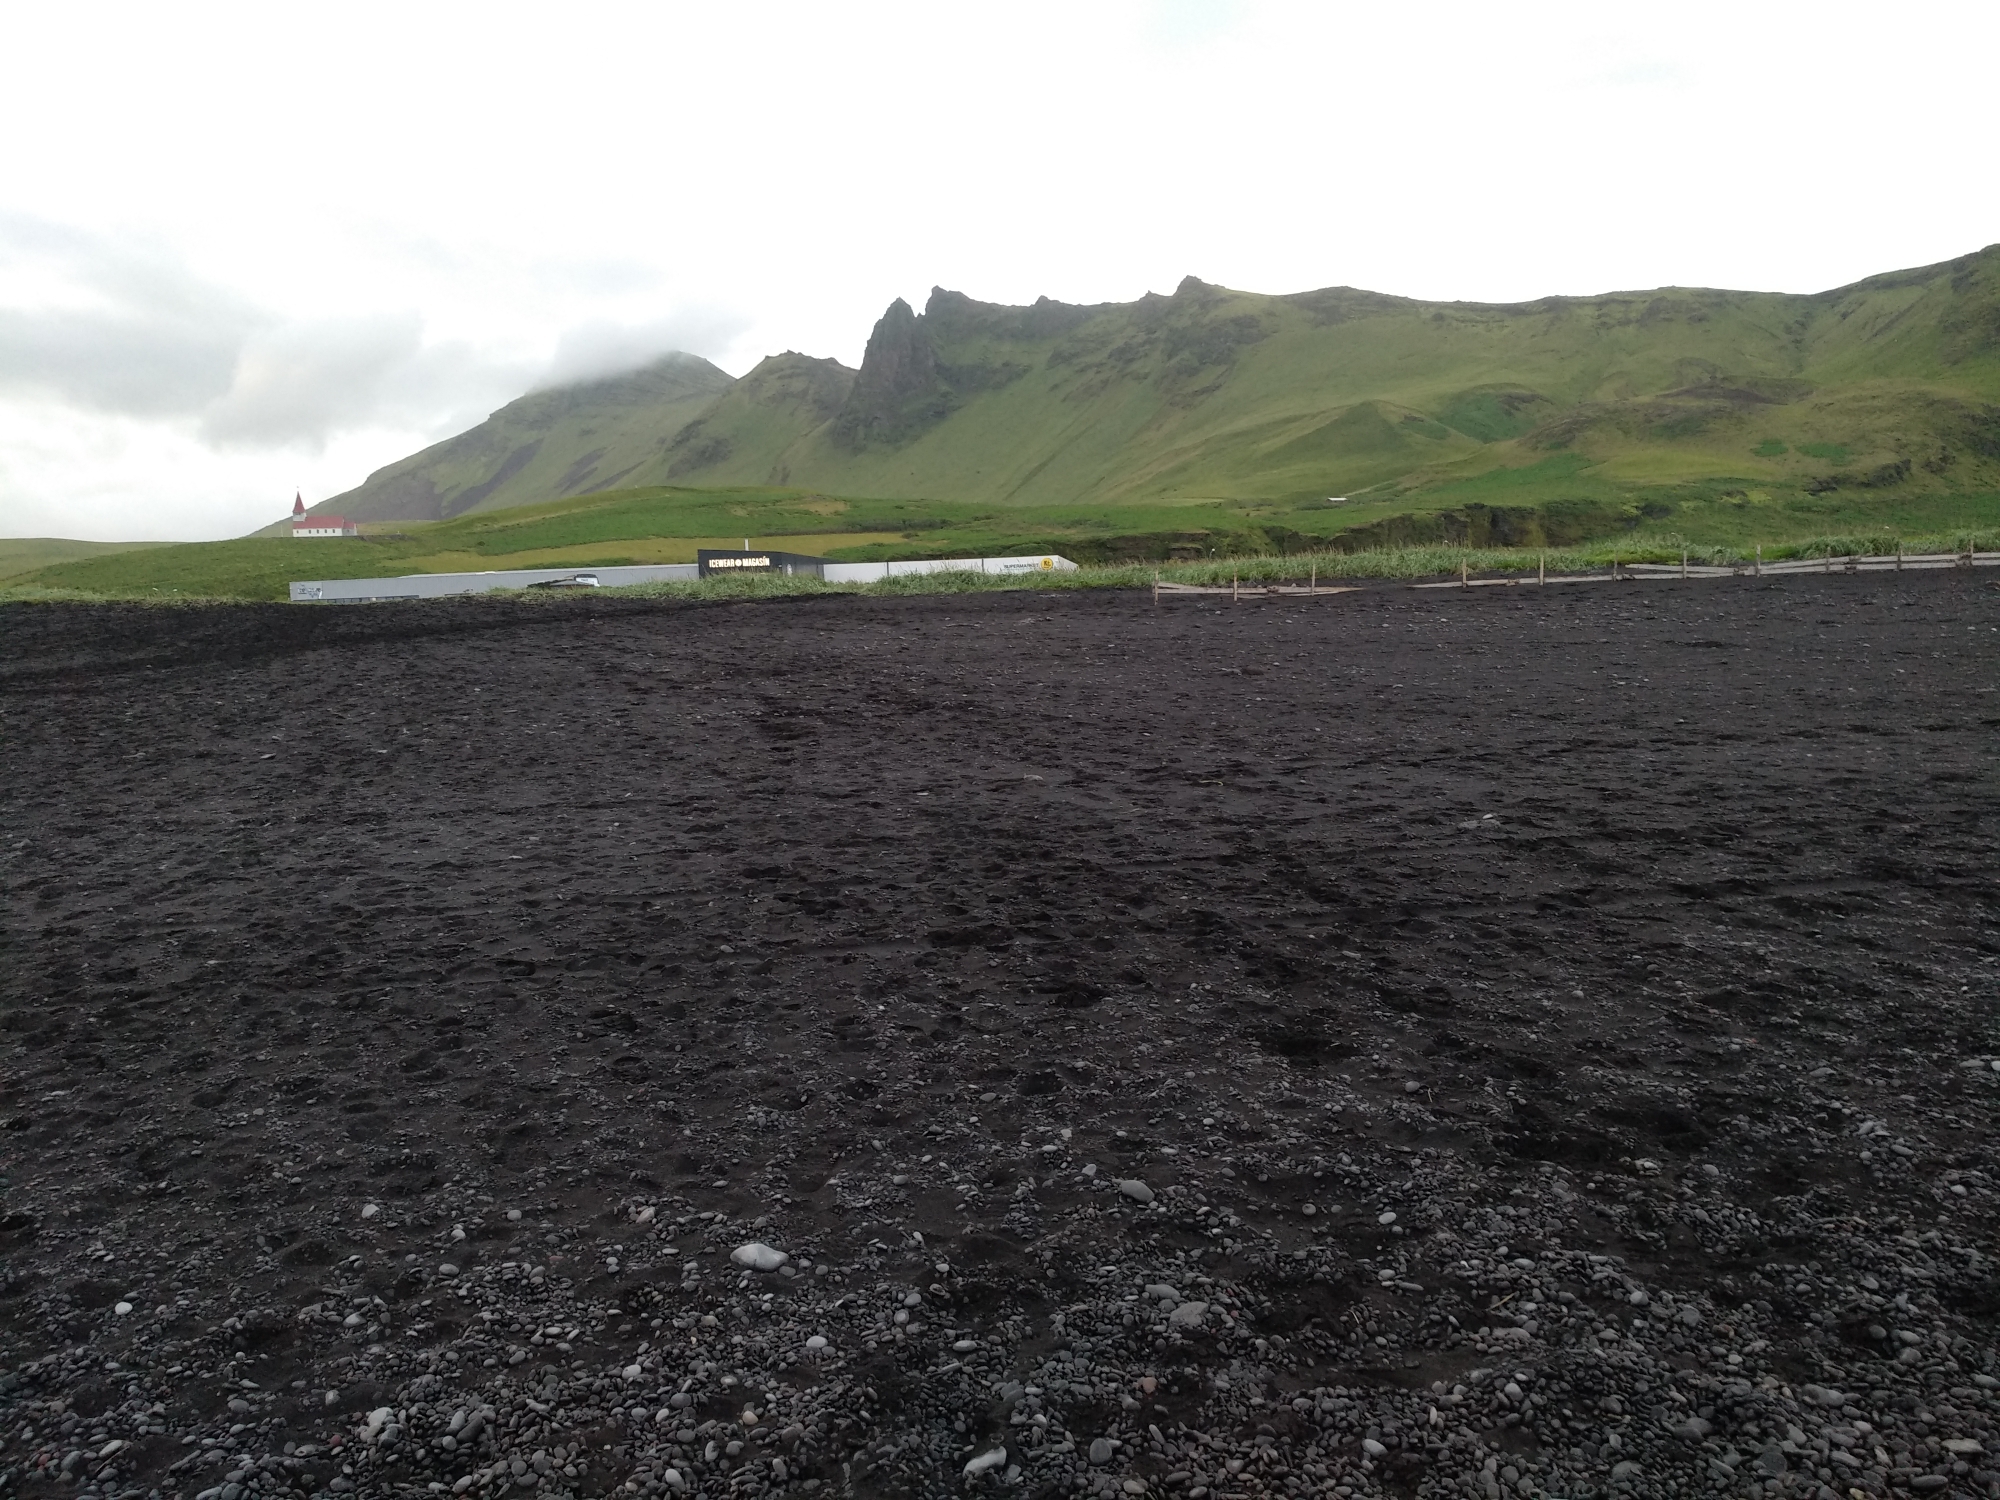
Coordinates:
899 391
919 369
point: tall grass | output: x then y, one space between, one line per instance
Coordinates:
1391 564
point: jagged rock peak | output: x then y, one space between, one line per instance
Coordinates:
897 391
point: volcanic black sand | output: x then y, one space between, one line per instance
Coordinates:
1517 1042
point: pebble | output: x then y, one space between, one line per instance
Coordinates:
815 1343
1188 1315
122 1309
758 1256
1386 1217
1373 1448
1100 1451
991 1459
369 1210
1136 1190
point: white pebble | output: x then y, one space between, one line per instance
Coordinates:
1136 1190
122 1308
634 1372
991 1459
447 1269
815 1343
1386 1217
369 1210
757 1256
1188 1315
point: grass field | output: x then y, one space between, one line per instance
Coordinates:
20 555
1405 562
1558 503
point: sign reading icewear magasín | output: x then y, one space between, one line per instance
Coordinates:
714 563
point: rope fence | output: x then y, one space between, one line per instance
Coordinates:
1617 572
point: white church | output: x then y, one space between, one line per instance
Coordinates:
305 525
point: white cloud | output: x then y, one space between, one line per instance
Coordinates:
294 385
112 324
596 349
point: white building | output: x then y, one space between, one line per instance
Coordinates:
324 526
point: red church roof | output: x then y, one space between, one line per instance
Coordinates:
335 521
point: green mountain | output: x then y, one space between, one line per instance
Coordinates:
572 440
1887 386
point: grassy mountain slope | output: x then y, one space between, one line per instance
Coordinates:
568 441
1886 389
1217 394
20 555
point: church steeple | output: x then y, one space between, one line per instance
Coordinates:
298 503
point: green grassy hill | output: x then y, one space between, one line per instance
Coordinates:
1888 386
549 444
19 555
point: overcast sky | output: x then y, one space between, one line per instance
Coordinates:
248 249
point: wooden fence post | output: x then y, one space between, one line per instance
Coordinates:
1542 568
